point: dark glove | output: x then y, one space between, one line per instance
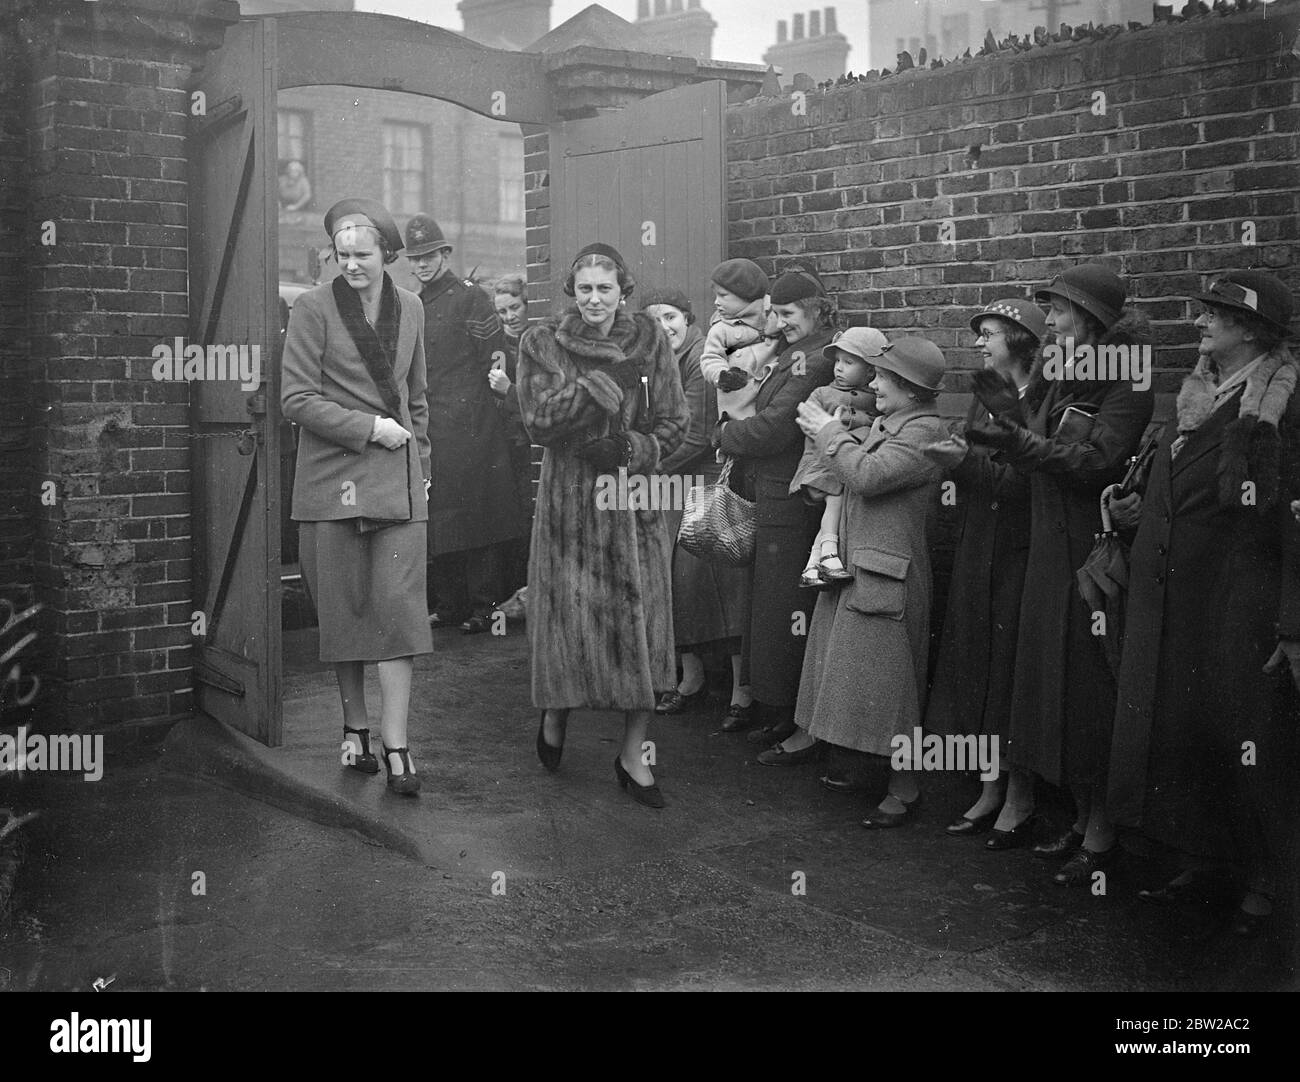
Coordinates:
625 373
998 393
733 379
606 453
999 434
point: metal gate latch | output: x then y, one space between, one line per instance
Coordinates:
247 442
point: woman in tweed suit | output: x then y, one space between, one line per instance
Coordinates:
354 379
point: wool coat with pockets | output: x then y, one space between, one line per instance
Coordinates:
599 578
1063 698
473 501
863 678
768 447
1213 582
327 389
971 692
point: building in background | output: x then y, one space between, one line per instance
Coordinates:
821 53
947 28
410 152
675 28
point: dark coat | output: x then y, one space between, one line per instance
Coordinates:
1212 585
863 679
769 446
473 502
599 589
327 389
508 403
971 693
1063 701
710 599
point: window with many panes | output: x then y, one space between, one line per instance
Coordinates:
510 170
404 167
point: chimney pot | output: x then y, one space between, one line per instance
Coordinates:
814 24
782 30
643 9
830 20
797 31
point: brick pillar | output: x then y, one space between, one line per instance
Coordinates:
107 117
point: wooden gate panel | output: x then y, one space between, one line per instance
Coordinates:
234 259
660 160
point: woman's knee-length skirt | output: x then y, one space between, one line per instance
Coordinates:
368 589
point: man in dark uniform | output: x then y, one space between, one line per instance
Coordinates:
473 507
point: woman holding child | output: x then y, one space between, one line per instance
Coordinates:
863 679
710 599
768 446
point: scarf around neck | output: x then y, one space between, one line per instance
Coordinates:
378 344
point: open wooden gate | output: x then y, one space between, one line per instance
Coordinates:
234 259
650 180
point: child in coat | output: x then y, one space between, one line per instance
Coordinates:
852 351
738 352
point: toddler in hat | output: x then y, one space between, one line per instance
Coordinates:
852 351
739 350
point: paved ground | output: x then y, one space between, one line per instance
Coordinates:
599 892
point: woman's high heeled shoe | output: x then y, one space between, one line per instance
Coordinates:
365 762
649 795
406 783
550 756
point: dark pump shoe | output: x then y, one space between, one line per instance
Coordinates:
1078 870
1250 925
837 784
885 820
778 756
649 795
365 763
1201 888
549 756
1060 846
961 827
476 625
405 783
738 718
1019 836
772 734
674 702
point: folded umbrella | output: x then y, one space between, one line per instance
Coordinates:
1103 580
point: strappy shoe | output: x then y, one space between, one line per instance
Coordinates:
832 568
811 578
365 762
405 783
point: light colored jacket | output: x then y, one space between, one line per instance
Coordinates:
739 343
327 389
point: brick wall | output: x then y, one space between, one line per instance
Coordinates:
1198 139
106 144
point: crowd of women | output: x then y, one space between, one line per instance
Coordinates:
1174 711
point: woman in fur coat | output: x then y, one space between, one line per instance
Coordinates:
1204 748
1073 435
599 389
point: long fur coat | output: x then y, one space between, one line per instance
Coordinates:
600 594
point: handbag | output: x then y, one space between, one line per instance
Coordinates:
718 524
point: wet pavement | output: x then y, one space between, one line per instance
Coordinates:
504 876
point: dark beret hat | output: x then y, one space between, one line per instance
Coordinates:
375 214
797 283
667 295
607 250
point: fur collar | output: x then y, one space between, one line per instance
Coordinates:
632 337
1251 450
378 344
